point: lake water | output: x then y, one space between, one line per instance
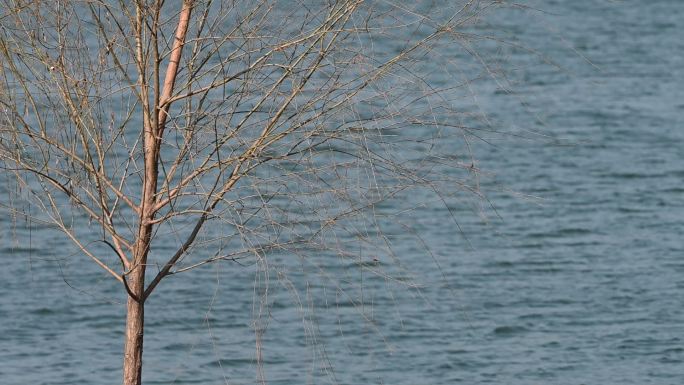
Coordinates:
576 277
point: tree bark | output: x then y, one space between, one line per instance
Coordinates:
135 321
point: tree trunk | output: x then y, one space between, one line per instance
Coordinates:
153 130
133 348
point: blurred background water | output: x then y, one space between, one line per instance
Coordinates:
576 278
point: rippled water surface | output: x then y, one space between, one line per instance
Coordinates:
576 277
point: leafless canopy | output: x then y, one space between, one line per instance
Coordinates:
276 121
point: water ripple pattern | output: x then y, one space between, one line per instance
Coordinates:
573 275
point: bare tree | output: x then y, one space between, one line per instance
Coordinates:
280 122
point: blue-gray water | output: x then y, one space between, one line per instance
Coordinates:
578 280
